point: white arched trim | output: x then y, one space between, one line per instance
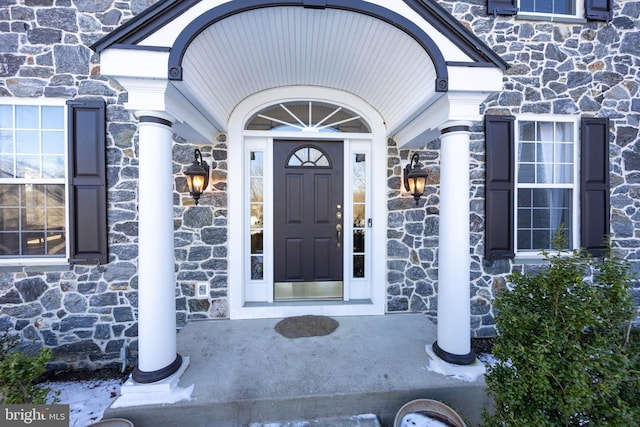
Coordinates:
375 145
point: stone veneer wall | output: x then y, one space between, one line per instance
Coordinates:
588 69
88 314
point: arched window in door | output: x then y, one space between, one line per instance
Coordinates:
307 116
308 156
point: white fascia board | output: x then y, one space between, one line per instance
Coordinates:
453 107
449 50
167 35
139 63
475 79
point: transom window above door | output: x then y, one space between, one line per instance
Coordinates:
307 116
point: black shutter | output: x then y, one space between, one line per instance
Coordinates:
499 188
594 184
502 7
598 10
87 182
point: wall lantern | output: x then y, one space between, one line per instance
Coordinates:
415 178
197 176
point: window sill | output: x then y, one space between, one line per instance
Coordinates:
550 18
529 259
33 266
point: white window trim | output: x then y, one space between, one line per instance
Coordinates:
528 256
47 261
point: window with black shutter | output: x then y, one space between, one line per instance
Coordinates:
598 10
535 186
87 182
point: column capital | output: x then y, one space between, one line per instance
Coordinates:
454 126
151 116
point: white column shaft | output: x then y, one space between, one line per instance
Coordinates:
454 308
156 274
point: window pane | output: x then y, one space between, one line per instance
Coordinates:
52 142
358 266
27 142
55 219
524 218
9 219
256 189
9 195
545 131
564 132
358 215
256 268
359 166
527 131
256 163
53 167
563 174
359 190
6 142
55 195
55 243
564 153
33 243
527 152
6 116
257 242
358 240
27 117
28 167
32 219
9 244
527 174
257 216
32 195
52 117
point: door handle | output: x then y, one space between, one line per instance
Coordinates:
339 230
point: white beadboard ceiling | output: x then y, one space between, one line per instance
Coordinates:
284 46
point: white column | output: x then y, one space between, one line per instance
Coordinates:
157 357
453 343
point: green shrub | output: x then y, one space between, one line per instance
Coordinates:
19 373
566 353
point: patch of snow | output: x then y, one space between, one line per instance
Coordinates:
418 420
87 400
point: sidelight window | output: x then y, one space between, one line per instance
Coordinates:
256 190
359 196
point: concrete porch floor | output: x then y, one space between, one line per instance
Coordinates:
245 372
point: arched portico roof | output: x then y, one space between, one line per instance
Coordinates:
396 55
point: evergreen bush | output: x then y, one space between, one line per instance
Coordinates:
19 372
566 353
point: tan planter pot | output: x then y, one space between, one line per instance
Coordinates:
432 409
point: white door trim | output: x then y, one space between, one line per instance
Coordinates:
236 204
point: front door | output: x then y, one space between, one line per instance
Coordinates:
308 208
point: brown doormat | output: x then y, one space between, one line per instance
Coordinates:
306 326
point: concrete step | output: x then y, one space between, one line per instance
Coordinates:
244 373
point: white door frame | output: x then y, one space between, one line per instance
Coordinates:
238 142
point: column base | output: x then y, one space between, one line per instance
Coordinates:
456 359
144 377
165 391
